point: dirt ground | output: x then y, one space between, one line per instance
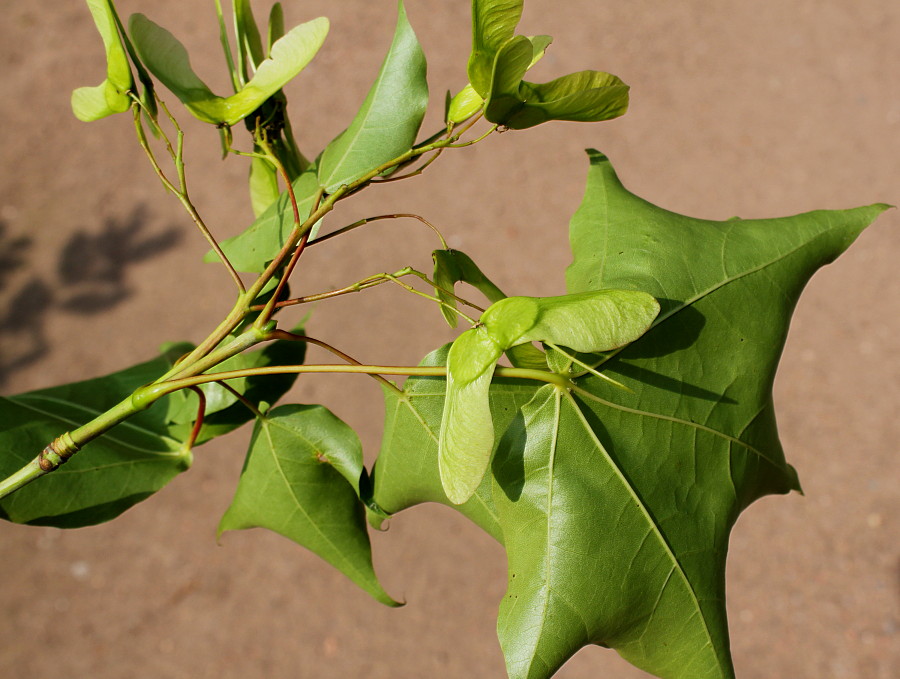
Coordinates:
753 109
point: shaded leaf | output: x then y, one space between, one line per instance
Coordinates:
263 185
301 480
128 464
452 267
388 121
406 472
276 24
224 412
249 44
111 96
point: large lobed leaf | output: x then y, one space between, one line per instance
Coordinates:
615 505
302 479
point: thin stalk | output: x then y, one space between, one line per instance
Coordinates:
285 335
153 392
367 220
181 192
198 422
243 399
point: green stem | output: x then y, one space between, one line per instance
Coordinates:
153 392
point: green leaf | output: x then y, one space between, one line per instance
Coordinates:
406 472
467 430
255 247
111 96
301 480
263 185
587 96
648 482
276 24
168 60
289 55
250 50
115 471
510 65
468 102
590 321
597 557
388 121
452 267
493 24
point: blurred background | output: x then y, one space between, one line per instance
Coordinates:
753 109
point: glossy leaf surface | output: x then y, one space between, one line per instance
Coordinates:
388 121
301 480
615 506
110 96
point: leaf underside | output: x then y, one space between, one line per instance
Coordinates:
615 505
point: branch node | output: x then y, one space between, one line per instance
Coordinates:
56 454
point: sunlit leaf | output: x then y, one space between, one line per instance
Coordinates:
289 55
589 321
301 480
111 96
388 121
493 24
586 96
168 60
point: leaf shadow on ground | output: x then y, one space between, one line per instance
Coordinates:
90 276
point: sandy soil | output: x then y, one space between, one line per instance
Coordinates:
751 109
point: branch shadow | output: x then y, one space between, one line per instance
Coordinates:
91 276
